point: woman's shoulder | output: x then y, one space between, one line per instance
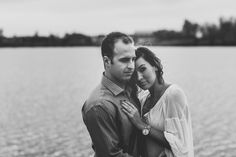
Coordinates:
176 95
176 102
175 91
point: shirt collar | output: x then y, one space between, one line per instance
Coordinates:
111 86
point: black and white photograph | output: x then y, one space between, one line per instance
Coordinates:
117 78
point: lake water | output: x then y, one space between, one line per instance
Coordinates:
42 91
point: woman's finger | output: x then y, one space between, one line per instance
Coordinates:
130 104
126 106
128 109
126 112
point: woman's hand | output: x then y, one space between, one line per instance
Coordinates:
132 112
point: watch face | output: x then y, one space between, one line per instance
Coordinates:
145 131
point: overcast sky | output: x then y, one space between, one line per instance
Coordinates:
93 17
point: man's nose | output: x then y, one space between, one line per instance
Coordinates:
130 64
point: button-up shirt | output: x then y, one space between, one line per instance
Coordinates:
112 133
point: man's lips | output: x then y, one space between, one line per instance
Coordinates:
129 73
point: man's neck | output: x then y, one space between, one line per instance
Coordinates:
118 83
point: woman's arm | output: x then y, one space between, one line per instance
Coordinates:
134 116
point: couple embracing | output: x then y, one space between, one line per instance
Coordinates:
133 112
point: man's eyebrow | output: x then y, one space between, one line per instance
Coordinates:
127 58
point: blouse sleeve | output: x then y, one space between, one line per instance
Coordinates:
178 130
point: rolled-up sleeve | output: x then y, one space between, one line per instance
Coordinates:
103 130
178 129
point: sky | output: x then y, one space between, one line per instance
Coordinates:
94 17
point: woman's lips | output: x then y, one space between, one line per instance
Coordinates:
142 83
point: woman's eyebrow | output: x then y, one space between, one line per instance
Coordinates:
141 66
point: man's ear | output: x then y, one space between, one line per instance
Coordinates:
107 61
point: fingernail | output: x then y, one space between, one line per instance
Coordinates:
121 101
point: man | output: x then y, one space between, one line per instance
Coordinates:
111 132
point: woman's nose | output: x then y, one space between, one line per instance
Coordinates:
139 76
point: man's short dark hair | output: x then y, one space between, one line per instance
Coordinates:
109 41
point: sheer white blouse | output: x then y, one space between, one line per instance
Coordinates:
171 115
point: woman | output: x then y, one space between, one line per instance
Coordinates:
165 118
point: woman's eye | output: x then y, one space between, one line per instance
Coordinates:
142 69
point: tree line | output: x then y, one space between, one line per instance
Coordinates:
192 34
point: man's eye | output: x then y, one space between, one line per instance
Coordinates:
124 60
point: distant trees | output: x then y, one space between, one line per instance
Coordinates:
223 34
189 29
167 34
73 39
194 34
191 34
1 33
227 31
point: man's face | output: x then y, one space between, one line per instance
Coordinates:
122 65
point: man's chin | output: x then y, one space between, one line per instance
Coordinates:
126 78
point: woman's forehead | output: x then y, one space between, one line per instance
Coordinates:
141 62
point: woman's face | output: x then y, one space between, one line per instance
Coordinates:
146 73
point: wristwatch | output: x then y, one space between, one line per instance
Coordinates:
146 130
